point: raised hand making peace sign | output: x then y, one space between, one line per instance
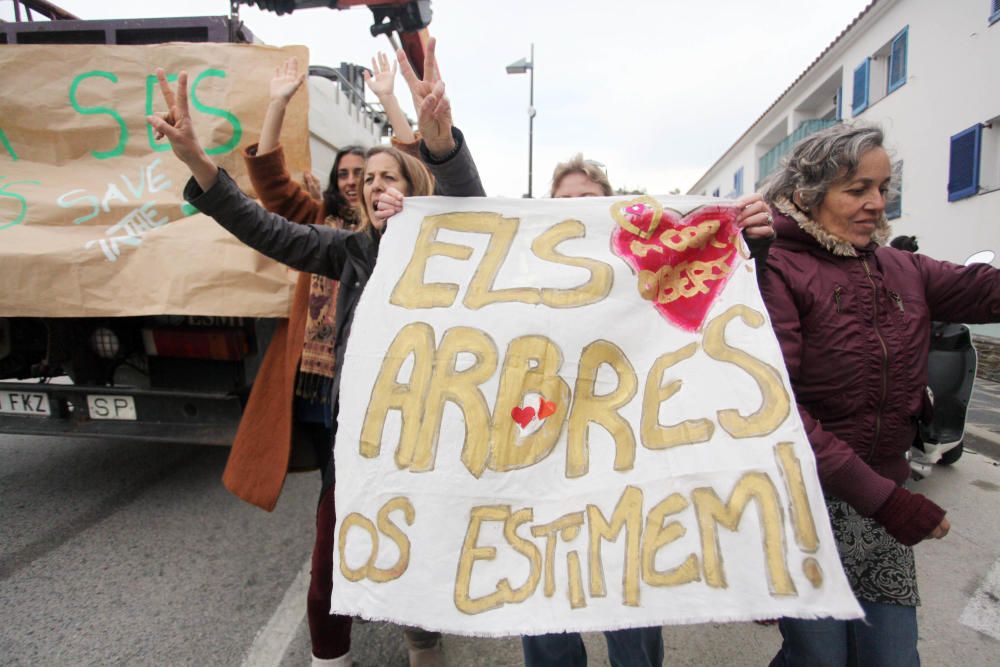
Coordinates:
432 105
175 124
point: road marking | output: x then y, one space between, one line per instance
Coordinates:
271 643
983 611
985 434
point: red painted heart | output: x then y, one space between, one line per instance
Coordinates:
682 262
545 408
522 416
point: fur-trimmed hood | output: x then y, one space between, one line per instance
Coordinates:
825 239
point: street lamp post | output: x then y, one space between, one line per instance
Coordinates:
520 67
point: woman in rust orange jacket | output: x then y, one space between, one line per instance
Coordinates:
299 360
290 397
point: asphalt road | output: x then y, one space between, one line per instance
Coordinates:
129 554
133 554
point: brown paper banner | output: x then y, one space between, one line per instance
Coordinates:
92 221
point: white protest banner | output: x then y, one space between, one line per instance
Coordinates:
573 415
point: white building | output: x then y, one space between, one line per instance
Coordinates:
339 116
927 72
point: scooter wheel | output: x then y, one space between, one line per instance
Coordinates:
952 455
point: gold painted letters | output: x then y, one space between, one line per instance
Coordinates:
776 404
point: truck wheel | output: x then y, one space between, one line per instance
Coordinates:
952 455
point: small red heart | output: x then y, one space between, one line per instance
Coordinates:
522 416
682 262
545 408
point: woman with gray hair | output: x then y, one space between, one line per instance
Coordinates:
578 177
853 319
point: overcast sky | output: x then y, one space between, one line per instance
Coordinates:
657 90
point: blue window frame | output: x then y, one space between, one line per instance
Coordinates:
859 102
995 12
897 60
963 164
738 182
715 192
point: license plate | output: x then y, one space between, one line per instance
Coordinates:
106 406
25 403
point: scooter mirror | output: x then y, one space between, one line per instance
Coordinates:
981 257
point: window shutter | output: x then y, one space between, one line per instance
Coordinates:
963 165
715 192
860 100
840 101
738 181
897 60
995 11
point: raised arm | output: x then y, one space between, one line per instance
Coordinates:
312 248
381 82
442 147
175 124
265 160
430 102
286 82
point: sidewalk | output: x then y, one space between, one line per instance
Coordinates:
982 425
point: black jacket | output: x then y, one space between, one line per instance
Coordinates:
343 255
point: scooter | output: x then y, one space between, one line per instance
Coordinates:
951 375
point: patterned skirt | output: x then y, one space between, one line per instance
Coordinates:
878 567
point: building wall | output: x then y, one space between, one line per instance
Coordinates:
336 121
952 83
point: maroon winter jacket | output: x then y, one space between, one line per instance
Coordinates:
855 334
